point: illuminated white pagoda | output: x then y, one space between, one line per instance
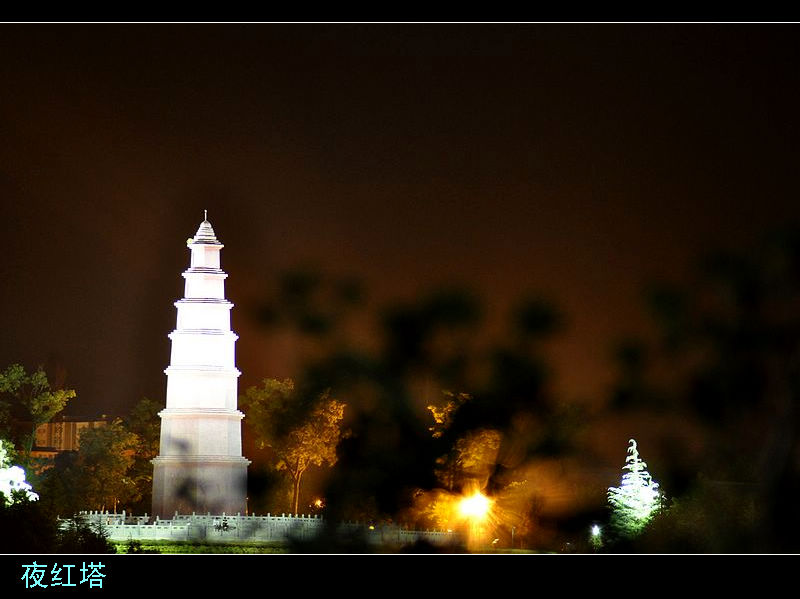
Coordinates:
200 467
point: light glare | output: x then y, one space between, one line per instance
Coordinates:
475 507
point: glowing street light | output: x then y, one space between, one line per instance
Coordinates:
596 539
475 507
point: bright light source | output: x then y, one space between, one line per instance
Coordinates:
596 540
476 506
12 478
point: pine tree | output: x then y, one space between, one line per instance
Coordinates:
637 499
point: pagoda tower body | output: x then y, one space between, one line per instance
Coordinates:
200 467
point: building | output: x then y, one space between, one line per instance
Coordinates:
200 467
61 434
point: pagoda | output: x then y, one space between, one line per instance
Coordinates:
200 467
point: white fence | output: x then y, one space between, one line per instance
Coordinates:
267 529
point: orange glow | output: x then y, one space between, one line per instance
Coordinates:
475 507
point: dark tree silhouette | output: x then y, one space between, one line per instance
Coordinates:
434 343
729 343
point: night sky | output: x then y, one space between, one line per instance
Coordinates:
579 161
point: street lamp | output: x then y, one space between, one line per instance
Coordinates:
475 508
596 539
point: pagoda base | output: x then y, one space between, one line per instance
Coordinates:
199 484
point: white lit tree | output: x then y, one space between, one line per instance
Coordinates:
637 499
12 479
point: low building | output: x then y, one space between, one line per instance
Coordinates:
62 434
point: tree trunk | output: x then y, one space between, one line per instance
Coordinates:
296 492
297 474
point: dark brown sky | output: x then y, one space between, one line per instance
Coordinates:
578 160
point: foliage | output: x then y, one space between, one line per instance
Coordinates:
636 500
443 414
13 487
78 536
111 466
144 423
26 527
713 518
727 356
310 303
500 415
97 476
436 509
472 456
104 456
29 527
174 547
476 452
62 492
134 546
300 432
26 401
7 453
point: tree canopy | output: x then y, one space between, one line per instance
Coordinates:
299 431
95 477
724 358
419 348
26 401
144 423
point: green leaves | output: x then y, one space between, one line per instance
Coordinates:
104 457
299 430
26 401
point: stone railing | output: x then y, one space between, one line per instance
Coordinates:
269 528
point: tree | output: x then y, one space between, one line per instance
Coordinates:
637 499
144 423
471 456
100 475
418 348
104 458
26 401
27 527
726 358
62 492
25 524
78 536
13 487
300 432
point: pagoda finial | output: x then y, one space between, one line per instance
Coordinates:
205 232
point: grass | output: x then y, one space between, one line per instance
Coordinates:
191 547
